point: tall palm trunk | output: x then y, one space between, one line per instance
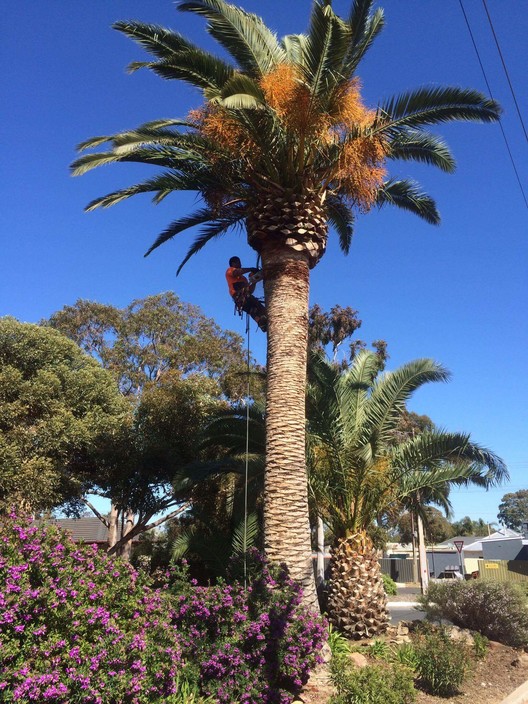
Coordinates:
286 517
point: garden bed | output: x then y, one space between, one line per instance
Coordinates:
491 680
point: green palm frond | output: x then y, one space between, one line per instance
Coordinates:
199 217
196 67
422 146
242 34
341 218
214 229
391 392
430 106
324 50
162 185
407 195
294 47
365 27
245 535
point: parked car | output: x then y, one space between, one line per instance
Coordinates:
448 575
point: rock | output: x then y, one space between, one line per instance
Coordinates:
461 634
358 660
521 660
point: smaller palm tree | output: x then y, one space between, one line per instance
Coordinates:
358 472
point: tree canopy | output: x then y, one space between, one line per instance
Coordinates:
513 509
56 407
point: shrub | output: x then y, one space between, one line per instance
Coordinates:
339 645
389 585
494 609
76 626
441 663
379 649
375 684
405 654
250 645
480 645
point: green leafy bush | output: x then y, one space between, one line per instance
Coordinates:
375 684
441 663
389 585
339 645
405 654
480 645
379 649
496 610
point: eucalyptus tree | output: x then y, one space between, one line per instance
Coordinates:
284 146
358 472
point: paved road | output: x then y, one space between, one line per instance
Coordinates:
404 611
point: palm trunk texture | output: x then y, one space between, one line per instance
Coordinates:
357 602
286 519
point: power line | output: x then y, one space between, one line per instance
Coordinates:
505 69
491 95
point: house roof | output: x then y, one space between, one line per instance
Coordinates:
83 530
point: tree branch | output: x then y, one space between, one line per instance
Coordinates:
142 528
103 520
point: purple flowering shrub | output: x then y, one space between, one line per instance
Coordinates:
254 644
79 627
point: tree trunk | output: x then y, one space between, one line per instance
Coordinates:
320 569
126 549
112 527
286 519
424 567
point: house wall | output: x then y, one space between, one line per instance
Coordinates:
507 549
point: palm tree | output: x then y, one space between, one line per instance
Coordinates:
282 145
358 472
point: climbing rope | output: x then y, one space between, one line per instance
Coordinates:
246 474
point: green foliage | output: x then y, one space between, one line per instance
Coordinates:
497 610
339 645
388 684
480 645
405 654
357 470
513 509
379 649
141 342
467 526
389 585
441 663
57 407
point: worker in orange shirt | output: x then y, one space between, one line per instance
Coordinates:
241 291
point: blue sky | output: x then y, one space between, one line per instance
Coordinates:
457 293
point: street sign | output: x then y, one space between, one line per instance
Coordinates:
459 544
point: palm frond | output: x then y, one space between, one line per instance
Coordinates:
162 184
209 232
364 27
341 217
245 535
391 392
324 50
430 106
422 146
195 66
243 35
294 47
406 194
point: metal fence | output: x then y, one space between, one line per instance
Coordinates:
399 570
504 570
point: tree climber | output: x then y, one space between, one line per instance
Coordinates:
241 291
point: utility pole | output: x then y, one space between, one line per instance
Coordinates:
424 569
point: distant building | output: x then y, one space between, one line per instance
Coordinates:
85 530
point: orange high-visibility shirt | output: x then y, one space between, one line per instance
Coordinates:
232 279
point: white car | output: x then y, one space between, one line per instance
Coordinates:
448 575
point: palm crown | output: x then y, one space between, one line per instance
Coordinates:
358 471
284 121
